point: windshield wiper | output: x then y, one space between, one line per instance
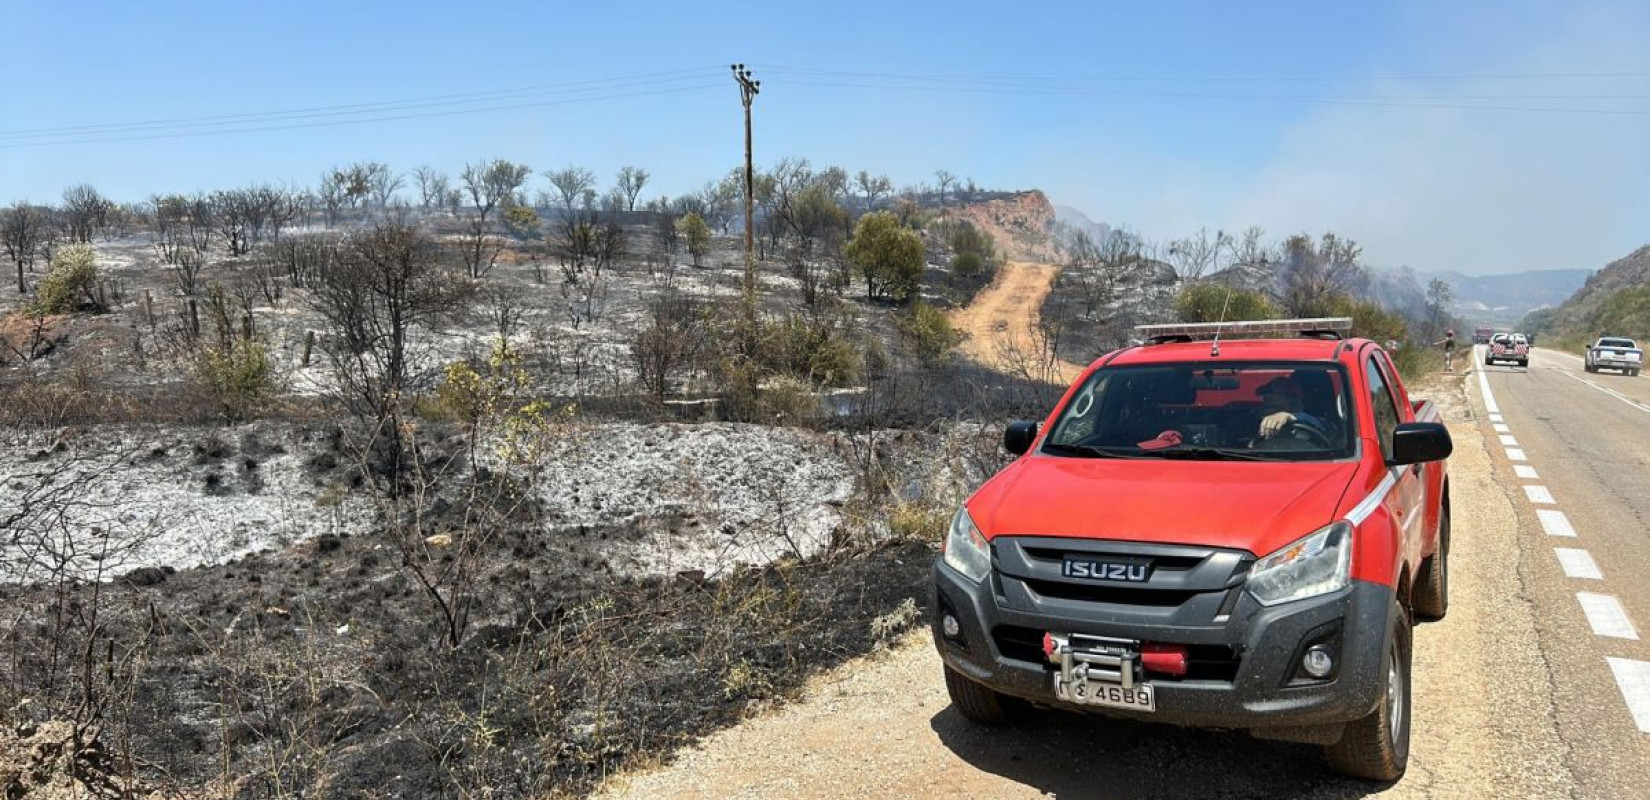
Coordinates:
1086 450
1211 454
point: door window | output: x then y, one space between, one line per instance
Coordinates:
1386 410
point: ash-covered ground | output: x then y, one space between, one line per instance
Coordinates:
638 499
265 632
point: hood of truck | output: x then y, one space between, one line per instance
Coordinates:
1251 505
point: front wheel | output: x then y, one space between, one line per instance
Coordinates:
979 703
1432 586
1377 747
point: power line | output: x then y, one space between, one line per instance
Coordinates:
1373 100
339 122
1211 78
459 98
700 79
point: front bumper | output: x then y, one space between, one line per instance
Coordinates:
1247 677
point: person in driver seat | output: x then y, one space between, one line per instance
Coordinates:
1281 405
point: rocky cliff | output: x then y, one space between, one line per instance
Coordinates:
1022 225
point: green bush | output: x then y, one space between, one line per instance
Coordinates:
238 378
521 221
1208 302
976 253
788 400
927 332
1369 319
1413 361
919 522
814 348
693 229
71 278
891 257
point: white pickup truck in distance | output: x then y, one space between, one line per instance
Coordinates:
1508 347
1615 352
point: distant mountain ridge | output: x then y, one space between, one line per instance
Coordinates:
1069 222
1508 297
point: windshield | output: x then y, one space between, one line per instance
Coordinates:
1628 343
1241 411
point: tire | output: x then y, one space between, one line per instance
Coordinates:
1432 585
1590 368
1488 361
979 703
1376 747
1525 363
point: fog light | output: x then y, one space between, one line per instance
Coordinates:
1318 662
952 628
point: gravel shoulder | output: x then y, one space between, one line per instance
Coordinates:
882 726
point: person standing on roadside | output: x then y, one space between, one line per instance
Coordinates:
1449 349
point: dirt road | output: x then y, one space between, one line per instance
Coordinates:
1001 323
883 727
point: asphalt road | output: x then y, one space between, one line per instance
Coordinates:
1514 696
1578 462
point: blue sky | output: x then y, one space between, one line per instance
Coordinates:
1367 119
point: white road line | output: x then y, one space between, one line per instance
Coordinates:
1578 564
1539 494
1515 454
1645 407
1496 418
1508 440
1634 679
1484 386
1524 471
1554 523
1566 355
1500 428
1606 616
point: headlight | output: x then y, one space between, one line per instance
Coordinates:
966 550
1317 564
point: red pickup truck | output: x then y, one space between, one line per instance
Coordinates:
1224 533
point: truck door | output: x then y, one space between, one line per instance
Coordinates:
1406 501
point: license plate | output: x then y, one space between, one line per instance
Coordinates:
1085 692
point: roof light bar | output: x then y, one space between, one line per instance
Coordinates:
1338 327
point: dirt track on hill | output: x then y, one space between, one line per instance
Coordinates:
1002 320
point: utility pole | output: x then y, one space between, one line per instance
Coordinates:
748 89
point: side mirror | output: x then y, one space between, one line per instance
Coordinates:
1415 442
1017 438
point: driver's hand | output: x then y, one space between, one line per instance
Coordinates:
1274 422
